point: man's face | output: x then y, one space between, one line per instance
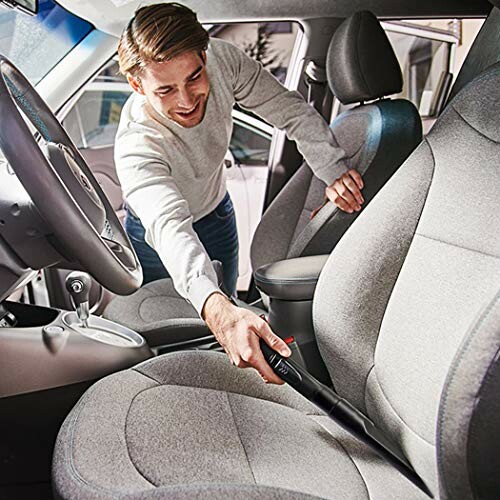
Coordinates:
177 88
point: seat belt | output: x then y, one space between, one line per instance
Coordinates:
318 97
317 86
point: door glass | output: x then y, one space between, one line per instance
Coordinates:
269 43
422 61
93 121
249 145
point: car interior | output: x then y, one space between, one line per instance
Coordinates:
394 311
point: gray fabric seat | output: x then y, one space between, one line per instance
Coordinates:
146 449
409 331
377 138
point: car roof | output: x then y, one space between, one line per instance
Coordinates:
111 16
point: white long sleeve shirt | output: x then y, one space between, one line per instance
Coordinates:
172 176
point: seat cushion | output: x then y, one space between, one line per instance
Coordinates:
159 313
189 425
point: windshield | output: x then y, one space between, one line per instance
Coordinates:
35 44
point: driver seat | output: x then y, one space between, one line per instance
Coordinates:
409 330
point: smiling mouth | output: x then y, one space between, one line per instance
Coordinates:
190 113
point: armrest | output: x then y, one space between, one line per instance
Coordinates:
292 279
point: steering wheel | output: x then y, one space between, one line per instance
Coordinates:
62 187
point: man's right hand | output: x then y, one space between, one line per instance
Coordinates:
239 331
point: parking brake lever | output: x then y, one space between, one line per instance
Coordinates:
78 286
340 410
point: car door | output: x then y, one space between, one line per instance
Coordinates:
247 181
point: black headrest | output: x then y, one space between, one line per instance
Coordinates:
361 64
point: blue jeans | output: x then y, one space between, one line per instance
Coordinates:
216 231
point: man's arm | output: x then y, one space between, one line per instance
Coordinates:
153 195
257 90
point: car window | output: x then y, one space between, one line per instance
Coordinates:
249 145
423 62
35 44
270 43
93 121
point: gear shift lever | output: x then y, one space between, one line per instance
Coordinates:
78 286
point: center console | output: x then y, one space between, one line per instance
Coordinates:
289 286
51 348
45 347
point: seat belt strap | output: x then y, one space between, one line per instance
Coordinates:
317 84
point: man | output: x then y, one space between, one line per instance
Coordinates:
173 135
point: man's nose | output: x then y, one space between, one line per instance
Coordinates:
185 98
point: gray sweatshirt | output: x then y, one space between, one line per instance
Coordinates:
172 176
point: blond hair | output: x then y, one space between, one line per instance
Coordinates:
157 33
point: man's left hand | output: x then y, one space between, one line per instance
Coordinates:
345 192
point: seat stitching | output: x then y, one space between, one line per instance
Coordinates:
346 452
482 134
365 399
379 385
473 437
126 440
71 458
239 436
315 421
226 391
487 254
452 373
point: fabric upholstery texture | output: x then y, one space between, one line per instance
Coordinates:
158 313
369 65
189 424
432 261
276 229
466 435
377 139
484 52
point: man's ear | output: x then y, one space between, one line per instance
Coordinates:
135 83
203 55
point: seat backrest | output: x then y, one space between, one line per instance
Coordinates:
409 327
377 138
484 52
